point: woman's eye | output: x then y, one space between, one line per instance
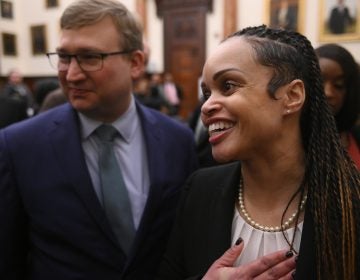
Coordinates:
205 93
229 86
205 96
339 86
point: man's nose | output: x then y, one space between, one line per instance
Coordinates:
74 71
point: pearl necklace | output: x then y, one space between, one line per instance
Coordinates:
256 225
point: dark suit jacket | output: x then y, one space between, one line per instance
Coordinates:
202 230
52 225
11 111
203 146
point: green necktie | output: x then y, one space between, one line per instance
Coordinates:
116 200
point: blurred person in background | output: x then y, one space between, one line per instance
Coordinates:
53 99
16 89
11 111
42 88
172 93
341 78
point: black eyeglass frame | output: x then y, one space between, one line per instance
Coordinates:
70 56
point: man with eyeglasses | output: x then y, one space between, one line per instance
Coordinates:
56 216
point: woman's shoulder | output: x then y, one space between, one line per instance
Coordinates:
216 171
210 186
209 179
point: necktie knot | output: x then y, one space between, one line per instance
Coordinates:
106 133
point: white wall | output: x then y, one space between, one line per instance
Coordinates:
155 39
27 13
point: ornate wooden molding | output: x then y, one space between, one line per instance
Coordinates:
230 17
164 5
141 9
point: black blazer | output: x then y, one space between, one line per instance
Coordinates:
202 230
52 225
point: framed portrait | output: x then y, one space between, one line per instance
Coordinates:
286 14
339 20
6 9
51 3
38 39
9 44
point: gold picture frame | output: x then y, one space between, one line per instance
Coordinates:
339 24
38 39
287 14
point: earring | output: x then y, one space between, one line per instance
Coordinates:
288 111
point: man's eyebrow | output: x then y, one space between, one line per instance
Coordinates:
82 50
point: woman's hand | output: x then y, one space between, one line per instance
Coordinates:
279 265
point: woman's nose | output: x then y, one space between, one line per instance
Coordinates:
328 89
210 107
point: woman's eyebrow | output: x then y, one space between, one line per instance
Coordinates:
221 72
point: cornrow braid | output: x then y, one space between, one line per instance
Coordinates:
331 178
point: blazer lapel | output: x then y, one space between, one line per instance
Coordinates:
305 267
222 212
66 141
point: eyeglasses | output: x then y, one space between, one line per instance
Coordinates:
88 62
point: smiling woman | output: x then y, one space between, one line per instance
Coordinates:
269 124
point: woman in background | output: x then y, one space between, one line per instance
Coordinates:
341 77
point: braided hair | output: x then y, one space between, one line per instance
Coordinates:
331 179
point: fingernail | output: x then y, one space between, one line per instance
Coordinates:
289 254
293 274
238 242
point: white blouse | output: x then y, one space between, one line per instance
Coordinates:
258 243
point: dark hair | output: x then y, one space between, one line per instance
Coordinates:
331 179
43 87
348 114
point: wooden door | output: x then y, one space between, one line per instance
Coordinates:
184 39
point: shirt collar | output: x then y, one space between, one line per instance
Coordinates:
126 124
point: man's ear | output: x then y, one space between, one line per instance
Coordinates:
294 97
137 60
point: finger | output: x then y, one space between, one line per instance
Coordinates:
230 256
222 268
289 276
282 270
268 264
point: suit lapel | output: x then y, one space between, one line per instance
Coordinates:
152 139
66 141
222 212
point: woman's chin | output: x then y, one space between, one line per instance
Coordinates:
222 158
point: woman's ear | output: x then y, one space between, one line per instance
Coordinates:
294 96
137 60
